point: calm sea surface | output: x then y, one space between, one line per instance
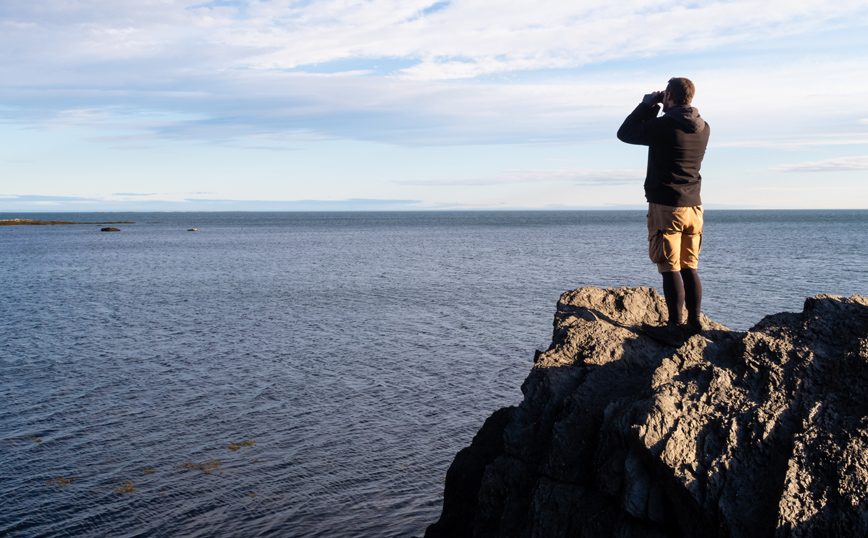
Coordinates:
346 356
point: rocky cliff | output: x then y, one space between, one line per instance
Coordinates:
734 434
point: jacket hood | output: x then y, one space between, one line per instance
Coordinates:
687 117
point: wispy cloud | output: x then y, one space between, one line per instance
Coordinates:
222 71
348 203
29 198
455 40
787 143
71 203
577 176
238 81
285 108
798 189
556 35
839 164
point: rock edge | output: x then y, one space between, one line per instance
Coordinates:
734 434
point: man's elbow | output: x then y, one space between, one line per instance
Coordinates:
624 135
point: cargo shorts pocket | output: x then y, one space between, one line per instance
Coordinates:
657 247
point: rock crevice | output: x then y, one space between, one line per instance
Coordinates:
733 434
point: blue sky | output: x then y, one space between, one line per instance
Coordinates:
387 104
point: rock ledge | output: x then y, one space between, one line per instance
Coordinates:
734 434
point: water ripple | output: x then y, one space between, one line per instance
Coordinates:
348 357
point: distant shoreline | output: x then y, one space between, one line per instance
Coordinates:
31 222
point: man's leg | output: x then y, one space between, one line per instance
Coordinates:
664 247
691 244
673 293
693 296
674 290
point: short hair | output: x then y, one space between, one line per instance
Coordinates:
681 90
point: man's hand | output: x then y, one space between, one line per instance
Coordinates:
652 98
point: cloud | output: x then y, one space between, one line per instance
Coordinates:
288 108
786 143
610 207
446 40
318 78
29 198
560 35
840 164
412 72
577 176
71 203
322 204
442 40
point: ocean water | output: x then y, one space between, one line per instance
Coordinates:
314 374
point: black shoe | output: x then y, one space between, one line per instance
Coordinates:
670 335
692 327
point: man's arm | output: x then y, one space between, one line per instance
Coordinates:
635 129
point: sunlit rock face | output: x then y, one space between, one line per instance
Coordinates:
733 434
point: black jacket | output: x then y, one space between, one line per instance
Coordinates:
676 145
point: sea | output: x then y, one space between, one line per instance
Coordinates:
314 374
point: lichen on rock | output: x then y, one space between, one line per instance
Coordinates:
733 434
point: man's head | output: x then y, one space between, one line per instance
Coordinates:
679 91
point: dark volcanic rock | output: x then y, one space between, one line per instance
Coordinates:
734 434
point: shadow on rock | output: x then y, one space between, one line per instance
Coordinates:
733 434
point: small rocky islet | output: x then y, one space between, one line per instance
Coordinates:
760 433
31 222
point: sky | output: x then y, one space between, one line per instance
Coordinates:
185 105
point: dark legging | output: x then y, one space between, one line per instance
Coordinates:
680 288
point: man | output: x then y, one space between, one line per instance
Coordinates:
676 145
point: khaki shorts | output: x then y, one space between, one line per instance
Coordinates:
674 236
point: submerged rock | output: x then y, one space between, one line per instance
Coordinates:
109 229
733 434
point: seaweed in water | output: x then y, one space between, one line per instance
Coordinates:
60 481
126 487
206 467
